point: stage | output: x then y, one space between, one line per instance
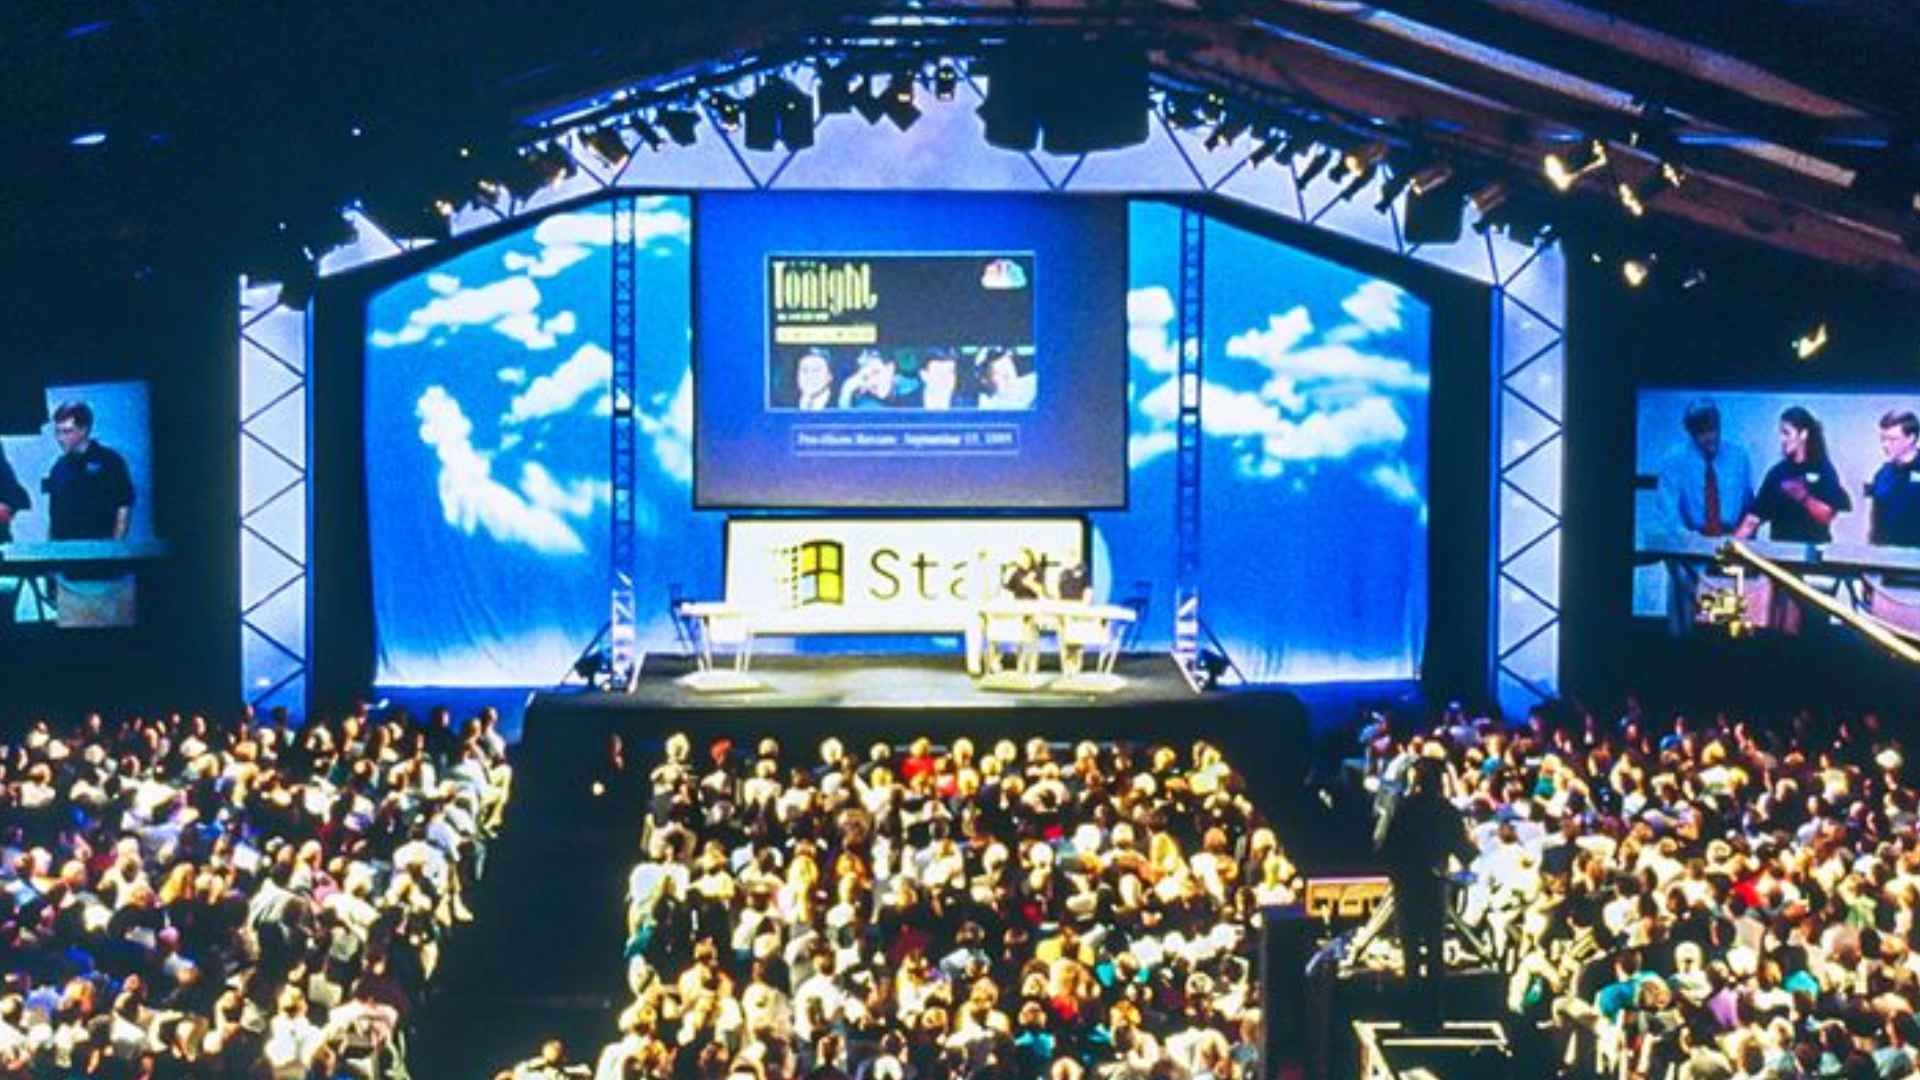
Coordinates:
911 681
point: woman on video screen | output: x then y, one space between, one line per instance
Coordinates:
1801 494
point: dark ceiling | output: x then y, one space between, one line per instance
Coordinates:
1796 120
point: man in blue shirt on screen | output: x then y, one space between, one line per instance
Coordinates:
1895 489
1706 485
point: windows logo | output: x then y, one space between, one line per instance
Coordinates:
812 572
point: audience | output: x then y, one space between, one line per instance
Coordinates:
939 912
1699 898
180 899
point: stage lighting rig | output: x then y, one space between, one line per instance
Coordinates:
727 108
1635 197
1316 165
680 124
1226 132
897 102
1268 147
647 132
1565 170
836 88
1809 344
1398 180
607 145
1637 269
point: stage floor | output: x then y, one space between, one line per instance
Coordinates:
888 682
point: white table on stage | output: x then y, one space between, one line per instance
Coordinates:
723 624
1075 623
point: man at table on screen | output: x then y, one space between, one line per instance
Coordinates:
89 490
1707 485
1895 489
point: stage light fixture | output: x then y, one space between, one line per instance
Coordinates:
1694 279
1268 147
946 81
552 163
1397 182
1365 159
1432 178
607 145
648 133
1636 270
1809 344
762 118
1225 132
1565 170
1315 165
898 105
836 89
681 124
728 109
1489 196
1359 182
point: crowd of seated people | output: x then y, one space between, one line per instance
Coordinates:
922 912
180 898
1695 898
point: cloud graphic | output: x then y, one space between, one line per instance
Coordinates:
513 376
574 230
671 431
1395 479
512 300
551 260
1274 342
590 368
471 500
577 499
1149 329
1370 424
443 284
1375 307
536 334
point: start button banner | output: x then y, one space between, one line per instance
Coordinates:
912 574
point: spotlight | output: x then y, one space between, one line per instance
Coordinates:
1637 270
552 164
1563 172
946 80
680 124
1432 178
899 106
1226 132
647 132
1315 165
1360 180
608 146
728 109
1268 147
1390 191
1365 158
836 89
1635 197
1488 197
1810 343
1694 279
763 117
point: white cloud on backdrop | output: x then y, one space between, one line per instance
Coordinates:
1321 399
590 368
471 500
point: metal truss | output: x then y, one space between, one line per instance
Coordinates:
1186 514
622 637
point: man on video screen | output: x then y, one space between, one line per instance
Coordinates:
1707 484
89 490
1895 489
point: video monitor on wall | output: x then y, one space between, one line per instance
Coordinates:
1824 483
874 350
76 514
